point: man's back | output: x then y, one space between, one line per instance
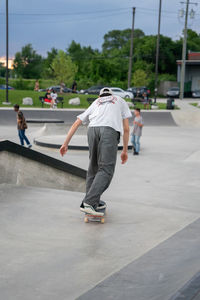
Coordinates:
107 111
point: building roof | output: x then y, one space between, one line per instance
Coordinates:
189 62
194 56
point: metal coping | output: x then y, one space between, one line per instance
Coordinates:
42 158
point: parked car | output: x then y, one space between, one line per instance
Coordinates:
124 94
42 90
173 92
94 90
196 94
139 91
133 90
3 87
56 88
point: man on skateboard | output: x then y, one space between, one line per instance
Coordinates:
108 118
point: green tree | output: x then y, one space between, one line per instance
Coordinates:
140 78
63 67
193 41
116 39
47 66
27 63
82 57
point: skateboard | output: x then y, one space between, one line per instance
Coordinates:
94 218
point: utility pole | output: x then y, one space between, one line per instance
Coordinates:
131 50
157 52
7 102
182 83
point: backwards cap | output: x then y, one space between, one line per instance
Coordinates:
105 90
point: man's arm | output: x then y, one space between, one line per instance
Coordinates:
124 154
74 127
138 123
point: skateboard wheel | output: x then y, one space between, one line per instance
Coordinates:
102 221
86 220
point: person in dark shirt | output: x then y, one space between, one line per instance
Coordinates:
47 96
74 87
48 99
21 126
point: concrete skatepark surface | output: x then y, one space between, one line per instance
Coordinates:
148 249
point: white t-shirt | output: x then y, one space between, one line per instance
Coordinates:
54 96
107 111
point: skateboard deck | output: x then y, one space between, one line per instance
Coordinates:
95 218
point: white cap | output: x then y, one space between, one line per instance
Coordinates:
105 90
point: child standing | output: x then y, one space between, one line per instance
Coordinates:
21 126
137 131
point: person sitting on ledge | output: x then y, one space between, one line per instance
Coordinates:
48 99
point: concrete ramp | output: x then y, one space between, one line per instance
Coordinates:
47 251
193 158
22 166
187 118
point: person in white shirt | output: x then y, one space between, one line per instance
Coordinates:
53 97
108 118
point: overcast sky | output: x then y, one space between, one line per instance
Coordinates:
49 23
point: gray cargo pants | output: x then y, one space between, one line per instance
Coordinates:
103 144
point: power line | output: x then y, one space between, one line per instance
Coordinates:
15 21
86 13
67 20
66 14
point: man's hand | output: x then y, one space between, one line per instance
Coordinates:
124 157
63 149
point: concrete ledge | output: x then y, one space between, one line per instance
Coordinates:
44 121
158 274
39 142
42 158
190 291
22 166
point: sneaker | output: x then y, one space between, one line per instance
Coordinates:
29 146
101 205
136 153
82 207
86 208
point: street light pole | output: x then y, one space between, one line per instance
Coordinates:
182 83
157 52
7 51
131 50
7 73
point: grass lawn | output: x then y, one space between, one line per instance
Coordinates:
141 106
160 105
195 104
16 96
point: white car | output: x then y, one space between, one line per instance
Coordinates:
119 92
